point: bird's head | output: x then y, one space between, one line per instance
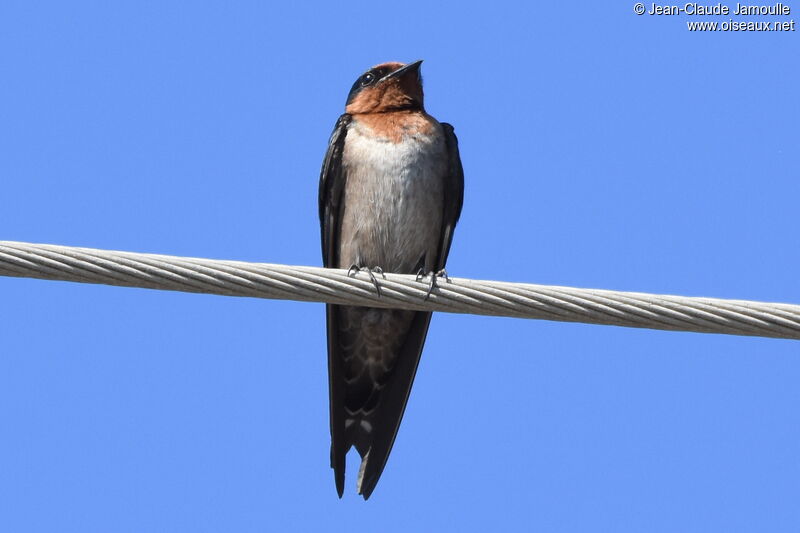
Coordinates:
386 87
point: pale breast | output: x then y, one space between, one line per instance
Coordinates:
393 199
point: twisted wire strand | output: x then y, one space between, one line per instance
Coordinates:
458 295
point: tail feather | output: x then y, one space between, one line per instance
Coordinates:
373 431
361 469
338 465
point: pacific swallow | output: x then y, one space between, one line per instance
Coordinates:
390 194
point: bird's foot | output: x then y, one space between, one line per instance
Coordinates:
355 269
433 282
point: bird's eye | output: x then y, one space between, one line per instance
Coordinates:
367 78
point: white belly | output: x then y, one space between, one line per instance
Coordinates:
393 201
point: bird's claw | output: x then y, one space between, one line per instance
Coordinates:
434 275
355 269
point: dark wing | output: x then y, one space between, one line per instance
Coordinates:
453 194
331 185
395 396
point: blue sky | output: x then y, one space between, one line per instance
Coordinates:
601 149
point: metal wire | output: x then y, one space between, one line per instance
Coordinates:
312 284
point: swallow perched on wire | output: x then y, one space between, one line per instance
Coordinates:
390 194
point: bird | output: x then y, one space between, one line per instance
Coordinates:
390 194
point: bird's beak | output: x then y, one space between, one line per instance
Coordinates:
411 67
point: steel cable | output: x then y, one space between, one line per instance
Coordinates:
458 295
